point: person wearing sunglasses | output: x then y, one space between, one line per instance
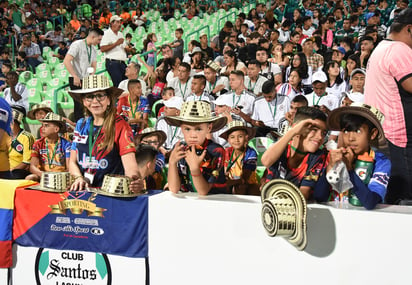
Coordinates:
103 141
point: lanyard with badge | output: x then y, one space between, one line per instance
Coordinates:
274 111
313 99
90 69
133 111
212 87
234 96
232 162
92 141
180 87
252 88
50 160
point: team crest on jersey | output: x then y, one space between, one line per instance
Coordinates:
19 147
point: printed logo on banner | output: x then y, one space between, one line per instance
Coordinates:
77 206
66 267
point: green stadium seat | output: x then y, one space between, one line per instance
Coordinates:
59 67
34 83
35 96
41 67
154 114
260 144
25 76
44 76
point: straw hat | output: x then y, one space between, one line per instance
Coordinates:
57 119
37 107
57 182
18 113
197 112
370 113
236 126
95 83
116 186
284 212
152 131
213 65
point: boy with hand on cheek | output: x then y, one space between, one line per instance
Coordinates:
297 156
369 169
197 164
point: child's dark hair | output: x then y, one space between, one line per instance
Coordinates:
313 113
144 154
168 89
133 82
300 99
180 30
352 123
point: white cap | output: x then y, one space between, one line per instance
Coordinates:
356 71
223 100
356 97
319 76
174 102
115 18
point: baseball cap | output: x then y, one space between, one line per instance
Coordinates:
355 97
319 76
356 71
341 50
174 102
202 34
305 40
115 18
223 101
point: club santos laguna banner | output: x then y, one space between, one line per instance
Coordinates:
81 221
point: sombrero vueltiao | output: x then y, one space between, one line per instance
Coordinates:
95 83
57 119
197 112
116 186
57 182
371 113
18 113
236 126
152 132
284 212
37 107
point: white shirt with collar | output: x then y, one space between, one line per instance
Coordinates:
255 87
173 134
245 99
118 52
22 91
270 113
181 89
330 101
221 80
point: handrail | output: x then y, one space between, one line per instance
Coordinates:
219 28
197 32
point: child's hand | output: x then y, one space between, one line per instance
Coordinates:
348 157
303 126
194 160
177 153
335 156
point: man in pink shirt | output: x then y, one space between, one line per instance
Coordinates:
388 87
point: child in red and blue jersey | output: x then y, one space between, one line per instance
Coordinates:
297 156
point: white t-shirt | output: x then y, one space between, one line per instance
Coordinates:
118 52
271 113
255 87
80 54
337 90
181 89
22 91
330 101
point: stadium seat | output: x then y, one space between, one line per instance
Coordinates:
34 83
260 144
41 67
35 96
25 76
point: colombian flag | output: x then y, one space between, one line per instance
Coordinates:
7 190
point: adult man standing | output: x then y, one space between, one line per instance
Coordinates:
80 61
388 87
115 49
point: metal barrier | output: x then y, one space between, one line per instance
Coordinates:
197 33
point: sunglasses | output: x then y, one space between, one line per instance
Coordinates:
99 97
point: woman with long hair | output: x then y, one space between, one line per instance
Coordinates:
336 85
352 63
174 63
325 32
300 64
232 63
293 86
103 141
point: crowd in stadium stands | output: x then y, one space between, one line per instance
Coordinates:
315 92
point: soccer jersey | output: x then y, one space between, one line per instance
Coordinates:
211 169
306 174
270 113
173 134
255 87
96 160
52 156
20 148
245 100
234 166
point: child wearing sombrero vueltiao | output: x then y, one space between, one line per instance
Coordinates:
240 160
197 164
51 152
360 127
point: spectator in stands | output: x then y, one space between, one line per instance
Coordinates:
297 156
6 118
269 70
336 85
4 56
352 63
198 61
284 33
232 64
299 62
54 37
295 104
33 53
148 167
5 69
253 80
215 85
21 143
80 58
366 47
115 49
360 127
134 108
74 22
51 152
357 81
269 109
61 53
205 47
167 11
132 72
320 98
198 90
174 63
198 166
178 44
293 86
173 133
325 32
16 93
240 160
388 87
21 62
183 82
224 34
149 44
